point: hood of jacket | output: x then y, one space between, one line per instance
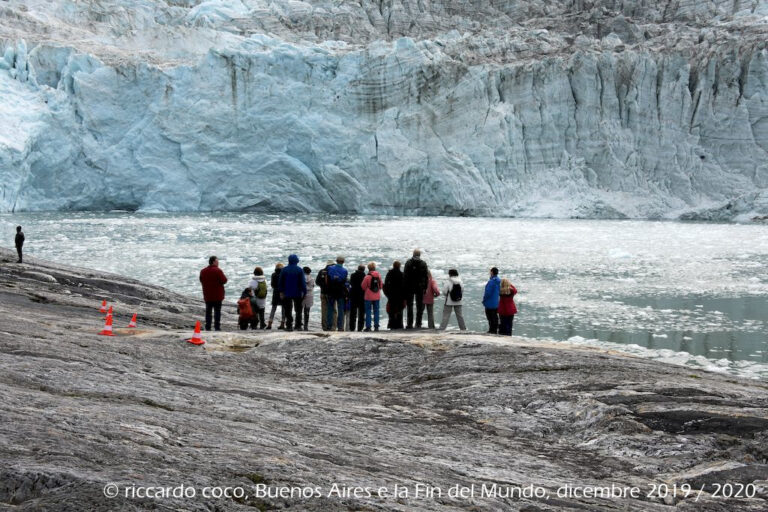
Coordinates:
455 279
293 259
258 278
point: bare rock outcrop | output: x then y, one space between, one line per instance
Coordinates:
310 410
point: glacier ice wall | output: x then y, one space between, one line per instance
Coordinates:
565 109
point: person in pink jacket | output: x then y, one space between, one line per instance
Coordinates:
433 290
371 286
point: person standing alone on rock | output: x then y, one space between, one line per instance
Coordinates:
293 287
19 241
491 301
213 280
416 280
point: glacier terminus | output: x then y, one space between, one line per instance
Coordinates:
563 108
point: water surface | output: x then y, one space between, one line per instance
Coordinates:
691 293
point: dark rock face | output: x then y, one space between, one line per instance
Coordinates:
307 410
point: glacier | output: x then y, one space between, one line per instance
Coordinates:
567 108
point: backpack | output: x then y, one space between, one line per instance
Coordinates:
375 284
321 279
336 281
244 308
335 274
416 274
456 292
261 290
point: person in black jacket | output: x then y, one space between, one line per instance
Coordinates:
276 302
322 282
19 241
416 277
356 302
395 291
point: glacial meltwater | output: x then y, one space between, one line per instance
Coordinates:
687 293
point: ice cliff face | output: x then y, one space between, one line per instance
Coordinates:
562 108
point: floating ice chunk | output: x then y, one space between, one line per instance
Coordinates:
618 253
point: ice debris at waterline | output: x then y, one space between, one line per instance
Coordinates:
81 412
565 109
748 369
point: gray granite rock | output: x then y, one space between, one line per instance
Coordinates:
145 408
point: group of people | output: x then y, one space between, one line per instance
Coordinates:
351 301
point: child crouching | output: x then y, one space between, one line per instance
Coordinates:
246 307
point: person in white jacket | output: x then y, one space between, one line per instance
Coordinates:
309 298
453 295
259 286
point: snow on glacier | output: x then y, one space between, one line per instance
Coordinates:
218 106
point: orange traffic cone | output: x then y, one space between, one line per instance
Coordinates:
132 323
196 339
107 331
109 312
103 308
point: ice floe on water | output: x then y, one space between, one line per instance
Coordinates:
669 287
748 369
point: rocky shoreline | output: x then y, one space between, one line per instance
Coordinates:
279 413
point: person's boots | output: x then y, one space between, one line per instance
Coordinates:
269 324
282 325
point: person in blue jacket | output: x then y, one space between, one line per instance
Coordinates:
293 287
491 301
336 291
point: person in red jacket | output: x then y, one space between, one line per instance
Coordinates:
213 281
507 307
